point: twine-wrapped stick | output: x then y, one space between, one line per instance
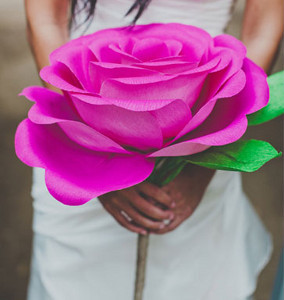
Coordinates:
142 250
165 171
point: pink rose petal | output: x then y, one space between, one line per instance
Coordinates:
128 128
75 175
172 118
256 90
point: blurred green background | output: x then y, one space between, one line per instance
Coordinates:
17 70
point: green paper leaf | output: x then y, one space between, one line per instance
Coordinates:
244 156
275 106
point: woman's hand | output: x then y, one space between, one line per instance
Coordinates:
187 190
148 208
141 208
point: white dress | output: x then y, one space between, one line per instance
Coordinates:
81 253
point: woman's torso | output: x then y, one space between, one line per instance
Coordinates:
211 15
221 247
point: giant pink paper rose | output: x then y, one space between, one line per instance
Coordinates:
133 95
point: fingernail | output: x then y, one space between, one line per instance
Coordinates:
173 205
171 216
162 226
143 232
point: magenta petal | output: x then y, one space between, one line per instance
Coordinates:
129 104
99 72
61 77
50 107
134 129
226 124
232 48
184 87
231 87
183 84
25 144
172 118
170 66
194 39
180 149
256 90
77 58
111 53
218 86
174 47
150 48
224 136
228 41
89 138
75 175
197 119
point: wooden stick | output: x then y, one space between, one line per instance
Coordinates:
142 249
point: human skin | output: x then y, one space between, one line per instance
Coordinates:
145 206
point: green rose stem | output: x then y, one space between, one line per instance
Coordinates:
165 171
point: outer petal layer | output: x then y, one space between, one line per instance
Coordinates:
75 175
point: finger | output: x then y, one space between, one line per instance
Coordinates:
117 215
137 217
170 227
147 208
156 193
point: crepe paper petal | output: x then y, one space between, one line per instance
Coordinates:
53 108
50 107
90 138
231 88
174 47
61 77
168 67
24 147
115 54
256 90
129 104
243 156
195 40
104 46
112 53
184 87
81 41
180 149
168 59
226 124
77 58
217 86
275 106
232 47
126 44
100 71
222 136
172 118
150 48
75 175
139 130
229 41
